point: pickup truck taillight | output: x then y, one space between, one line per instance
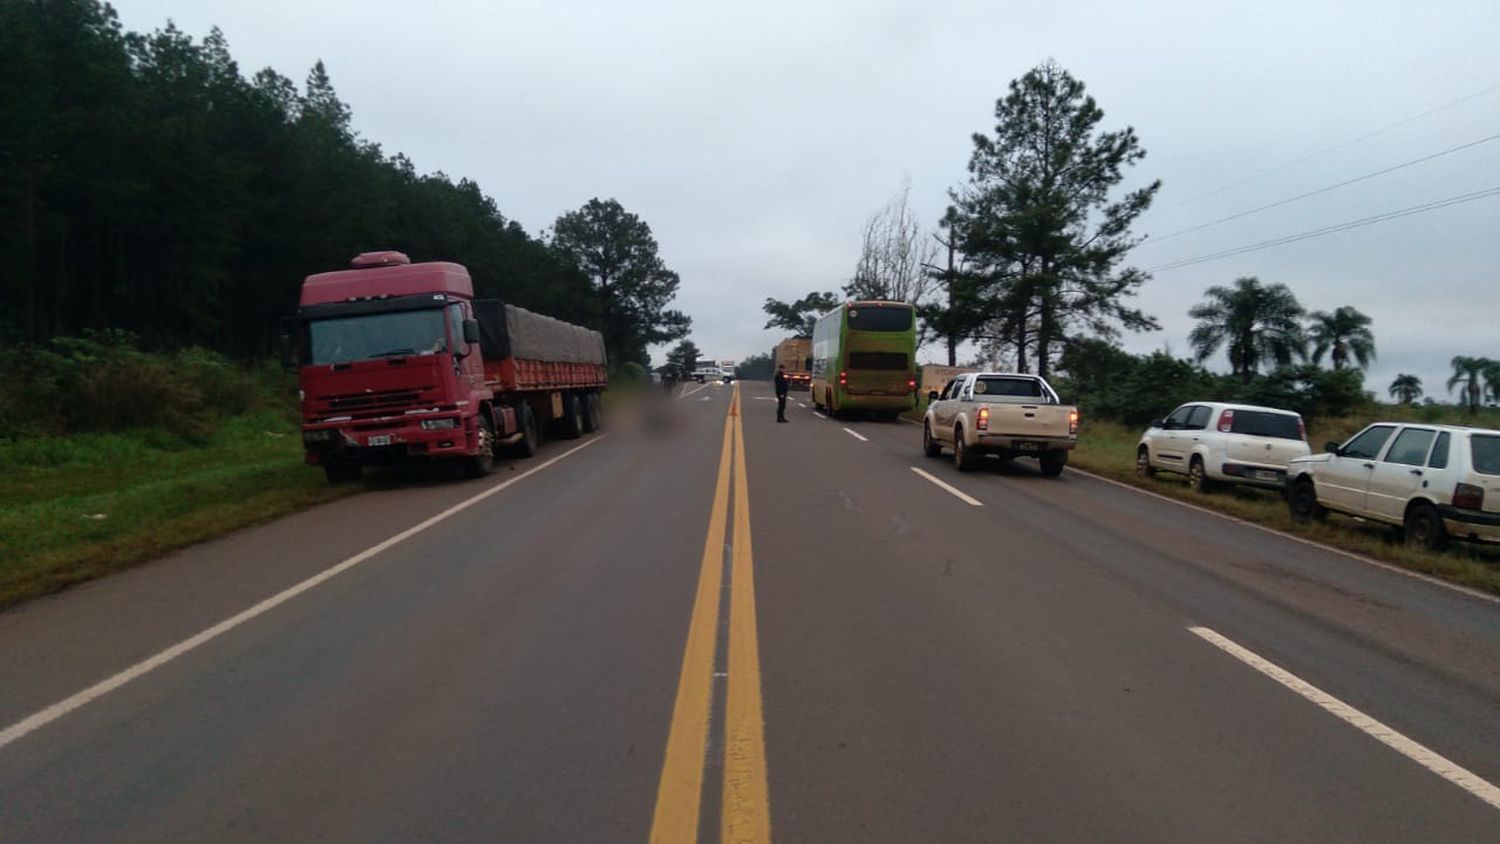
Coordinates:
982 421
1468 497
1226 421
1072 422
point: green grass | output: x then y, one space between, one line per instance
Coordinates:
1108 449
78 507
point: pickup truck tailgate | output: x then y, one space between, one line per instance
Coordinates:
1030 420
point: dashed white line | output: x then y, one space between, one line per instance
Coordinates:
819 415
1422 755
858 436
103 687
949 488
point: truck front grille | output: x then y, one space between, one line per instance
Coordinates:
378 400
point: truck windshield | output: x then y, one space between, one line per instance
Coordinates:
344 339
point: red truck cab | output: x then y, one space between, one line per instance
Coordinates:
391 366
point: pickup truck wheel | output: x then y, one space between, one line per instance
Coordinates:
962 459
1198 477
1052 462
930 446
342 472
1143 464
482 463
1424 528
572 418
527 445
1302 500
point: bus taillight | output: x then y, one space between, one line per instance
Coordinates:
843 379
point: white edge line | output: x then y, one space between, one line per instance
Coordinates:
1312 543
858 436
819 415
954 491
1386 735
104 687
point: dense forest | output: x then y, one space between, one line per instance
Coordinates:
146 184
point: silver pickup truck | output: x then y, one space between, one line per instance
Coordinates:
1004 413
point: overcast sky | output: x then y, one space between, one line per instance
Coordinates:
756 138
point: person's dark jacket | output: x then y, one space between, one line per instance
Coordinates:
780 383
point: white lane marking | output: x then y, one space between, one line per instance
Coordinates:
763 398
861 437
956 492
802 404
819 415
685 393
1422 755
104 687
706 398
1311 543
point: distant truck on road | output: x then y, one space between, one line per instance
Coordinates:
398 361
795 353
1004 413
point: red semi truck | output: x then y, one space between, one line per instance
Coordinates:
399 361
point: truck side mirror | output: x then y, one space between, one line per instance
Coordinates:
288 358
471 331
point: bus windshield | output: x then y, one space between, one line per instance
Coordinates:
367 336
880 318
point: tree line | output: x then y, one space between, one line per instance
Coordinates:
149 186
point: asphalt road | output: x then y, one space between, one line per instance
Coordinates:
752 631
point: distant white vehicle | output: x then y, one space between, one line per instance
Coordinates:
707 372
1215 443
1432 481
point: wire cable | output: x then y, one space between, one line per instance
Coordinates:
1333 229
1393 168
1310 156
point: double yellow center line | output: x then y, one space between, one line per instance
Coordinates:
746 806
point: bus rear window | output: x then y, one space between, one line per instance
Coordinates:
872 318
877 360
1486 454
1282 426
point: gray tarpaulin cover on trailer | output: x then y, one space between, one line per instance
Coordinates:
526 335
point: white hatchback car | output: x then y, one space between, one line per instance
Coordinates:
1214 443
1433 481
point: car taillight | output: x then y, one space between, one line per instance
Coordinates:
1468 497
1301 429
982 422
843 379
1072 422
1226 421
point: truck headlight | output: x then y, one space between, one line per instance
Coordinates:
321 435
439 424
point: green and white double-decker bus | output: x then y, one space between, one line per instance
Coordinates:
864 358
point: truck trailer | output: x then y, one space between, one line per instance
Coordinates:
796 354
398 361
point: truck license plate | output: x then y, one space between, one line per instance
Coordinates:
1030 447
380 439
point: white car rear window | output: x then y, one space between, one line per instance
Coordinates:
1486 450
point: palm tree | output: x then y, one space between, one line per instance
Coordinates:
1492 379
1258 323
1406 388
1468 371
1345 332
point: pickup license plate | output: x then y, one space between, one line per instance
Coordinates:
380 439
1031 448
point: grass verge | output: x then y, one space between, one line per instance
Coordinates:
78 507
1109 450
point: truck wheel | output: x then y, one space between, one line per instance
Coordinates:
482 463
1143 464
591 413
1302 500
1424 528
930 446
1053 462
527 445
572 418
962 459
342 471
1198 477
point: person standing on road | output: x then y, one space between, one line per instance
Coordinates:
781 393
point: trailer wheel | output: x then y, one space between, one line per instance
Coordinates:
527 445
591 413
571 423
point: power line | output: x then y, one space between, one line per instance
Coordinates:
1403 165
1310 156
1333 229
